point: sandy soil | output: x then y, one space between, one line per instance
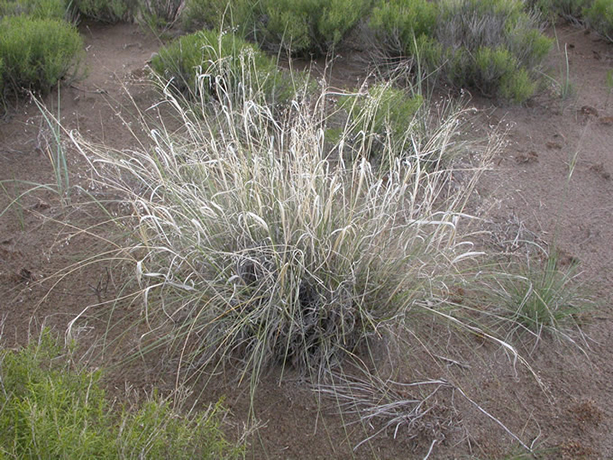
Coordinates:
551 184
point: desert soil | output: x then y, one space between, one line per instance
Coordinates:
551 185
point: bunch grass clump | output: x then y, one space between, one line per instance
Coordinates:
538 297
52 407
257 245
38 53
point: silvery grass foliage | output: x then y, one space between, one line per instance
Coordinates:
257 244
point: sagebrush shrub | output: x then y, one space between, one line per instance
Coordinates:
240 16
37 53
311 26
107 10
299 26
599 16
569 9
494 46
399 23
501 46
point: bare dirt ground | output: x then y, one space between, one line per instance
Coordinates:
552 183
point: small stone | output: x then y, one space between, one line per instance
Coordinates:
589 110
525 158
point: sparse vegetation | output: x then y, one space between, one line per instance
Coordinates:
51 407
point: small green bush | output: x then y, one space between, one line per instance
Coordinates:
599 16
204 63
34 8
209 55
52 408
37 53
498 72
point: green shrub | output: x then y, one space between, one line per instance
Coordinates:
571 10
37 53
492 45
207 63
240 16
299 26
311 26
398 23
517 86
482 44
50 407
107 10
34 8
497 72
599 16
